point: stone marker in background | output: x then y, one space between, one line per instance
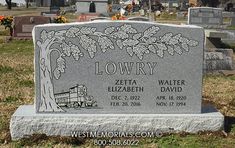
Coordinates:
49 14
207 17
86 17
233 21
23 25
138 18
214 37
231 16
100 18
181 14
215 61
218 59
83 6
116 8
122 76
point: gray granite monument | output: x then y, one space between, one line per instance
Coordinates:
218 59
205 16
118 68
233 21
116 8
83 6
116 76
210 19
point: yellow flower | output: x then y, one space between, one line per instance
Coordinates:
60 19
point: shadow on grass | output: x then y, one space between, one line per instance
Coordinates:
229 124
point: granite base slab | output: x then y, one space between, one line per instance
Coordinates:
25 122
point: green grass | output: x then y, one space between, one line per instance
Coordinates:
233 129
207 140
17 47
172 140
26 83
5 69
4 32
10 99
231 27
168 16
3 123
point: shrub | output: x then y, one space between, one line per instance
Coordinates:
7 23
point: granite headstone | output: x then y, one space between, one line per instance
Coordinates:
205 16
100 18
23 25
83 6
118 67
85 17
116 76
233 21
138 18
49 14
218 59
116 8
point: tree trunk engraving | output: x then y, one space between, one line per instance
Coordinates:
47 103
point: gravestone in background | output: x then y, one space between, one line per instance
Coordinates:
49 14
205 16
139 19
100 18
23 25
231 16
218 59
181 14
116 8
116 76
210 19
83 6
233 21
86 17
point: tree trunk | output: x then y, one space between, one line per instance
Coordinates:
27 3
8 4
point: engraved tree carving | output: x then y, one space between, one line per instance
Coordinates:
89 40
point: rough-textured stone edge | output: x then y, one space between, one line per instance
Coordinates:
25 122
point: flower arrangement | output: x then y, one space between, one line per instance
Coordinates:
118 16
7 22
60 19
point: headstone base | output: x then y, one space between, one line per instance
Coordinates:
26 122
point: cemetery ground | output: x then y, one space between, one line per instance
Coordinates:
17 88
18 11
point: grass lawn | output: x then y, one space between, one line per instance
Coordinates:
22 11
17 88
231 27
